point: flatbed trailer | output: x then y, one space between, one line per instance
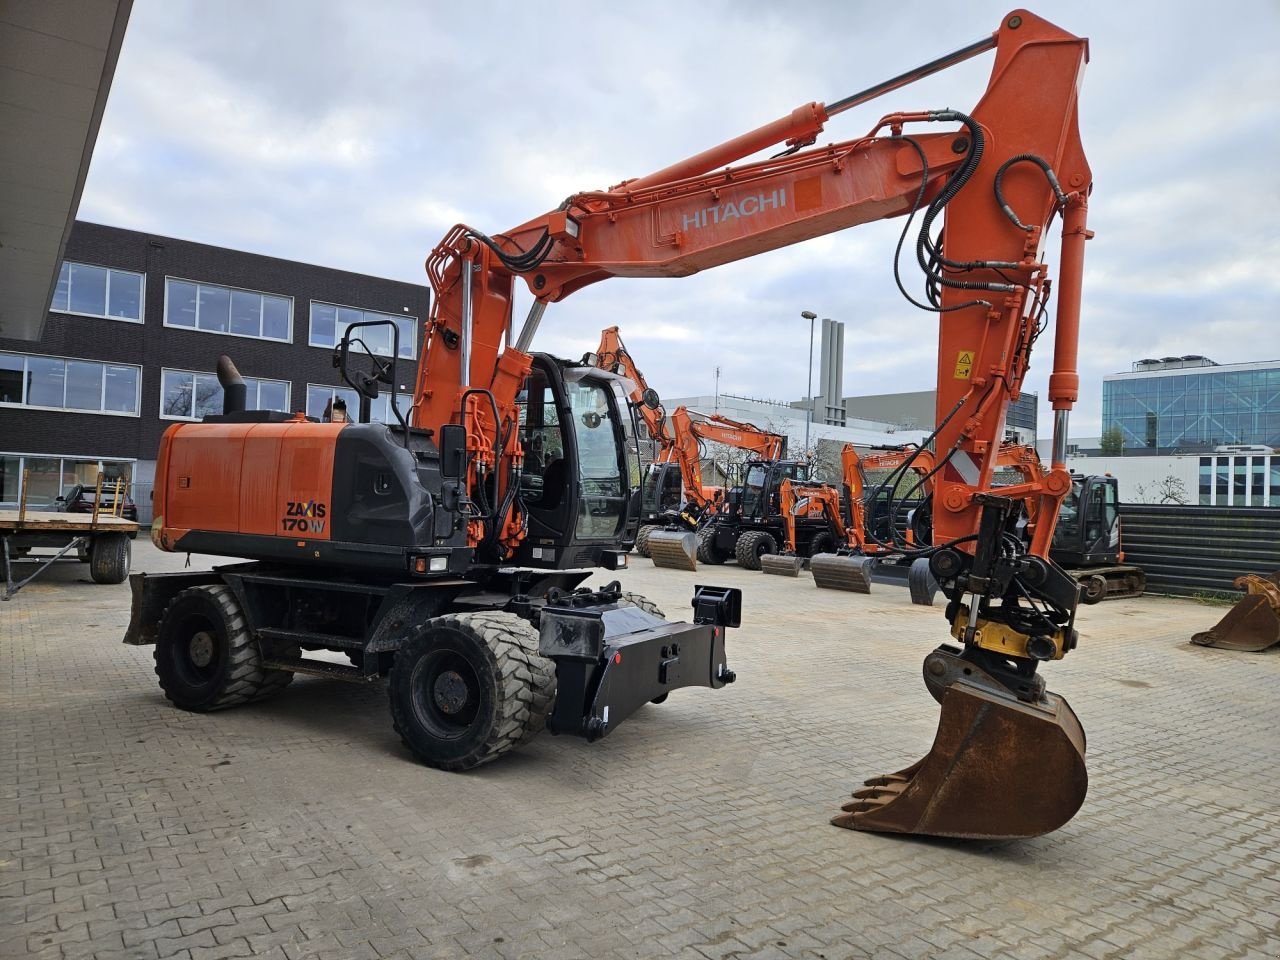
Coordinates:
101 540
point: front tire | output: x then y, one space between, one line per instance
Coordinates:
642 538
206 657
752 546
467 688
708 552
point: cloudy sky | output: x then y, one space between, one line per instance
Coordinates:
354 135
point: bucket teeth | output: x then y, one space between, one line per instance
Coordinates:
999 769
831 571
674 549
781 566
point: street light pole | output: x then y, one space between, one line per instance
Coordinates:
810 316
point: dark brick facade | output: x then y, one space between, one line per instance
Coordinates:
154 346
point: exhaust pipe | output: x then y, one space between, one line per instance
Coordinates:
234 391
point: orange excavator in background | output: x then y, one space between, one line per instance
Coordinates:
449 549
676 543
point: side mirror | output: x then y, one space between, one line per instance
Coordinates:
453 450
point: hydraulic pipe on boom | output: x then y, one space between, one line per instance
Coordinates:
1008 759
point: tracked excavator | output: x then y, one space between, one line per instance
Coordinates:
443 551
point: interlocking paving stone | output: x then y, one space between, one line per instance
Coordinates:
300 828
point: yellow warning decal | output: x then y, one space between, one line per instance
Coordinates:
964 364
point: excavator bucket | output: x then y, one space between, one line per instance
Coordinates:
781 565
832 571
1253 624
999 769
674 549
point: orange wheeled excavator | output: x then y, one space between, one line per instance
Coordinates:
448 549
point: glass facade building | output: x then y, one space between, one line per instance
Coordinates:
1192 404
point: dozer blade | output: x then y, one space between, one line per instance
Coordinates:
831 571
674 549
781 566
1251 625
999 769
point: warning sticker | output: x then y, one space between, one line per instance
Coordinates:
964 364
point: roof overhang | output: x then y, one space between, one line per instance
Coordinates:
57 60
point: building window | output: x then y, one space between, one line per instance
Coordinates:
50 477
329 322
99 292
320 399
1206 481
239 313
186 395
55 383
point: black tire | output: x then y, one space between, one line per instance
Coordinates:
821 543
467 688
643 602
1094 589
109 556
206 658
642 538
708 552
752 546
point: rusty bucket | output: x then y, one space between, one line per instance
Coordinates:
1253 624
833 571
999 769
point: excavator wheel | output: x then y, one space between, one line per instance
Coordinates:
642 538
1000 768
921 583
1253 624
752 546
708 552
832 571
674 549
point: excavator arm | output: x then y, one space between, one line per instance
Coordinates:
690 433
612 355
980 190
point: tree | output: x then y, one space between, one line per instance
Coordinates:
1169 490
1112 442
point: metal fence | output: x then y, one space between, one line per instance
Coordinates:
1188 550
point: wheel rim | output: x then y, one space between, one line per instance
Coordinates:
446 694
197 658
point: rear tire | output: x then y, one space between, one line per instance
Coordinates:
206 657
642 538
708 552
109 556
752 546
467 688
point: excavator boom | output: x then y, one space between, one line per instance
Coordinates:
979 188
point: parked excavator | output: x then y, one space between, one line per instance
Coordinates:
678 543
434 546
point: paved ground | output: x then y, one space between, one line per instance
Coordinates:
300 828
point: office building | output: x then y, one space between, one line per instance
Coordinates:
132 338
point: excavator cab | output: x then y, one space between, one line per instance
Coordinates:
582 460
1088 530
661 491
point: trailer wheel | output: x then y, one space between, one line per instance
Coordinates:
467 688
752 546
1095 589
642 538
206 658
708 552
109 556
